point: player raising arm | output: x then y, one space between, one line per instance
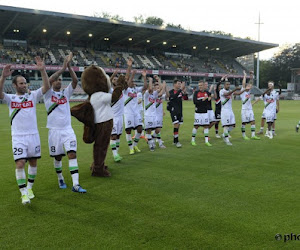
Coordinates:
61 136
25 135
227 115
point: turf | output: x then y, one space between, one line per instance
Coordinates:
188 198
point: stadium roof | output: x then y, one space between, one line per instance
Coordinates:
27 24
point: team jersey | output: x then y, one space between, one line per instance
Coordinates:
200 104
175 97
149 103
22 112
58 108
225 101
130 100
246 100
270 101
140 101
159 105
118 107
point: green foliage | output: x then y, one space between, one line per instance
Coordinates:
221 197
154 21
175 26
139 19
107 15
218 32
279 66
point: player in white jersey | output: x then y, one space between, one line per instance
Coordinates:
61 136
162 94
141 110
118 110
270 98
263 117
227 115
150 97
24 131
247 111
132 117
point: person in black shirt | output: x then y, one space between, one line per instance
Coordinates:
201 100
175 108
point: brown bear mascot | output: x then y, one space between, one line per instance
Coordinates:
96 113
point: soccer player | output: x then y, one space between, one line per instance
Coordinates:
227 115
297 127
247 111
118 110
270 98
141 110
61 136
162 94
175 108
132 117
263 117
25 135
150 97
201 98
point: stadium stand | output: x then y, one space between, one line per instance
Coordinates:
168 52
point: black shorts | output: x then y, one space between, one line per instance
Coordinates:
218 114
176 117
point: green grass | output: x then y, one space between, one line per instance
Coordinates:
189 198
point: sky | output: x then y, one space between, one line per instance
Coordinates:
281 19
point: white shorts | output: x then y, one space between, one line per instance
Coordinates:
26 146
201 119
211 116
270 116
247 115
60 140
118 125
150 122
159 121
132 120
227 117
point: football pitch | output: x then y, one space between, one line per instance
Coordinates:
222 196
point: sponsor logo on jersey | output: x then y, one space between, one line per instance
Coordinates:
151 100
132 95
180 95
159 100
21 105
59 101
201 95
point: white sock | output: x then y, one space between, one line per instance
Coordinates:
21 180
32 171
136 139
206 131
243 130
73 167
252 130
58 169
129 141
113 145
118 144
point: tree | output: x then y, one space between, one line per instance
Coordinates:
218 32
139 19
107 15
175 26
154 21
278 68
